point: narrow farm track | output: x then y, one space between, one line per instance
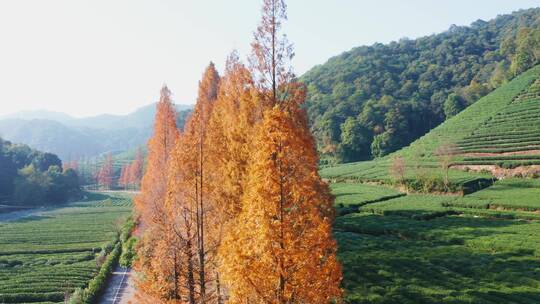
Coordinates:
120 289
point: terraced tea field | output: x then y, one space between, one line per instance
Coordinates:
500 129
483 247
431 249
513 130
43 257
349 194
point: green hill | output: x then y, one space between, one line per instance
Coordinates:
406 241
373 100
501 130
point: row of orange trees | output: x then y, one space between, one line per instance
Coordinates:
105 176
232 209
131 174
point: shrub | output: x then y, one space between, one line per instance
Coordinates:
97 285
128 252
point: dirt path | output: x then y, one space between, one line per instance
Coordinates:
120 289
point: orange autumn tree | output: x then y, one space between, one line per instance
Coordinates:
189 201
280 248
73 164
154 261
230 137
123 181
149 203
105 174
135 170
271 54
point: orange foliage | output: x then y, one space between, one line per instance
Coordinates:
154 250
282 250
235 113
74 165
124 178
134 171
105 174
271 53
190 210
149 203
242 215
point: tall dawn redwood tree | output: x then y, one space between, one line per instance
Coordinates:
230 136
282 250
156 256
135 170
193 213
271 53
105 176
280 247
149 203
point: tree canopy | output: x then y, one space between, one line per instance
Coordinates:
393 93
31 177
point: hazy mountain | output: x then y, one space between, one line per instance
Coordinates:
39 114
72 138
143 116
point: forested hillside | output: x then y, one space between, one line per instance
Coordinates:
403 239
31 177
375 99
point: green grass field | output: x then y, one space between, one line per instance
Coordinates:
483 247
454 259
418 249
514 128
481 127
348 194
508 194
42 257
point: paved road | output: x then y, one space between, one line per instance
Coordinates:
120 289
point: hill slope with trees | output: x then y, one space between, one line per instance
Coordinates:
479 138
400 230
373 100
31 177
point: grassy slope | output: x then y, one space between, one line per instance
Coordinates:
480 248
452 259
452 131
43 256
348 194
442 249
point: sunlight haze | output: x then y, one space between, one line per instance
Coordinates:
91 57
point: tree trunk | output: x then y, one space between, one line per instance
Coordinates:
190 275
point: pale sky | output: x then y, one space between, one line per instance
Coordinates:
87 57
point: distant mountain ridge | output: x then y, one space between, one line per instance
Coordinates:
39 114
72 138
373 100
142 115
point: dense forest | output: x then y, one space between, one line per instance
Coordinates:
31 177
375 99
